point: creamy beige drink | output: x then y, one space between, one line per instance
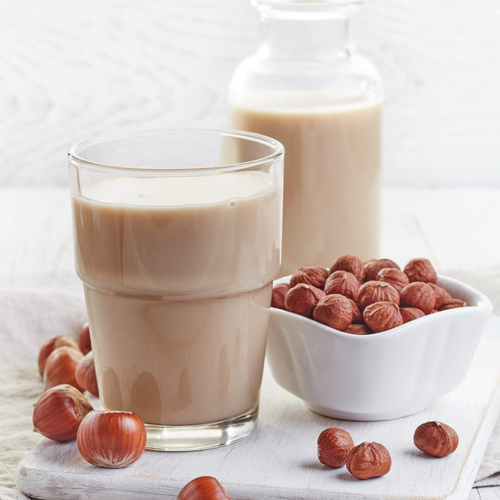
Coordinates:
177 274
332 172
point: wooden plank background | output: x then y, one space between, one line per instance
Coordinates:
72 69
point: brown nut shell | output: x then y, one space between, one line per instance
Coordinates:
376 291
312 275
357 329
357 315
441 295
111 439
60 367
52 344
394 277
382 316
452 304
436 439
342 283
351 264
411 313
203 488
333 447
334 311
85 374
420 270
373 267
84 342
418 294
302 299
278 296
368 460
58 413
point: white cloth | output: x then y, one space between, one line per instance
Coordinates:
27 319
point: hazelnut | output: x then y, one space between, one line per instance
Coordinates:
84 341
382 316
373 267
342 283
357 329
441 295
302 299
418 294
60 367
376 291
59 412
203 488
278 297
111 439
420 270
394 277
351 264
333 447
85 374
368 460
334 311
313 275
357 315
452 304
52 344
411 313
436 439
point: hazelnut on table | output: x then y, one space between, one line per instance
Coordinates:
436 439
333 447
368 460
60 367
59 412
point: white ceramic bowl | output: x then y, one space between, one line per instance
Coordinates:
381 376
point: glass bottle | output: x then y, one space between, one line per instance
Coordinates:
307 88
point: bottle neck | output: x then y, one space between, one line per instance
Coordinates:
305 39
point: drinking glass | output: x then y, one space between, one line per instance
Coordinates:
177 240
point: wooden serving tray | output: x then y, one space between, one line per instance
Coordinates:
278 460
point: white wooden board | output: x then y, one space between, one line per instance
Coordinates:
279 459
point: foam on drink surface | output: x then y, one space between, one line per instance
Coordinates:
174 191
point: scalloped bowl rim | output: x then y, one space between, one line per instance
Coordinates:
481 299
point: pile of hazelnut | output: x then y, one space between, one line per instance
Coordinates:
108 439
362 298
369 459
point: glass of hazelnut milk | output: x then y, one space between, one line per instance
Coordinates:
177 241
308 88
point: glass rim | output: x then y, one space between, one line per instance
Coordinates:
307 10
279 151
